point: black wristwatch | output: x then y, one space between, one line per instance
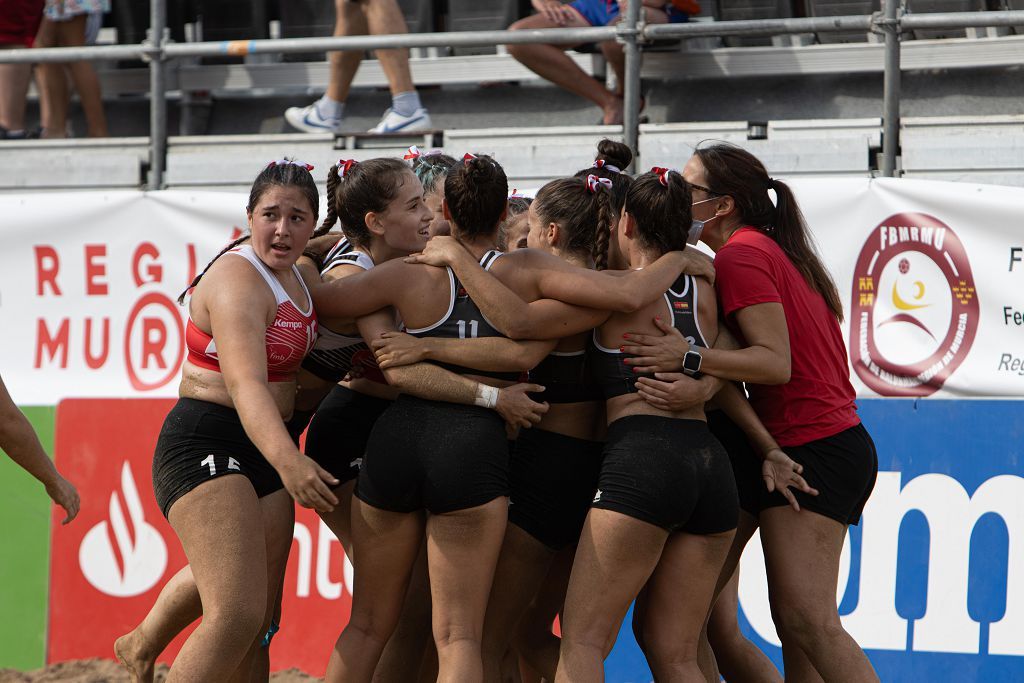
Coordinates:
691 363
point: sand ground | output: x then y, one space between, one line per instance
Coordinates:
109 671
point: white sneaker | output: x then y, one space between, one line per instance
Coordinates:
393 122
309 120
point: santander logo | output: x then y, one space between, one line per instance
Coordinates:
123 556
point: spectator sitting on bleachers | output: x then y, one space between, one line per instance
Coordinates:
551 62
359 17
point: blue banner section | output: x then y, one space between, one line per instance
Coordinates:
932 581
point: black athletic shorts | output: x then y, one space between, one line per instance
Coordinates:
436 456
201 441
746 463
668 472
843 467
553 480
337 436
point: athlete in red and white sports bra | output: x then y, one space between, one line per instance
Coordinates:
289 337
224 456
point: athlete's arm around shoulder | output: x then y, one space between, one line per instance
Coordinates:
389 284
429 381
614 291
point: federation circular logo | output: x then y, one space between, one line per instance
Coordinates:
914 308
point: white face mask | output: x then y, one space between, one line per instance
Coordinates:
697 226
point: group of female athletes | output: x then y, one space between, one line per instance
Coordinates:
501 435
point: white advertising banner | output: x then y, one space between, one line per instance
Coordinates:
931 275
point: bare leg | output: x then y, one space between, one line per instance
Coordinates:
616 57
384 17
350 20
388 543
740 660
178 604
14 79
278 513
801 551
615 557
551 62
71 33
534 639
522 566
53 85
679 596
462 552
339 520
176 607
219 554
403 656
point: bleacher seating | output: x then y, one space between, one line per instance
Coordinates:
841 8
231 20
738 10
928 6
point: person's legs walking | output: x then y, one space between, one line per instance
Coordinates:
406 114
325 115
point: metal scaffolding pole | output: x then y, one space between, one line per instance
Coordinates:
629 33
157 95
891 88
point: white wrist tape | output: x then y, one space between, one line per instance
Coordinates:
486 396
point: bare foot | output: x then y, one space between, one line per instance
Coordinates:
613 111
128 651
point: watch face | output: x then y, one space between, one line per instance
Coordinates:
691 361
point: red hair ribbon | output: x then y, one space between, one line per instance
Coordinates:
662 174
467 157
593 182
413 153
601 163
344 166
291 162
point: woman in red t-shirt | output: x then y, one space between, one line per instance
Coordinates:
779 301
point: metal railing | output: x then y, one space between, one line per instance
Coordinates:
632 32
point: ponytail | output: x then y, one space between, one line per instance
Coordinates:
793 236
660 202
582 208
732 171
603 234
331 217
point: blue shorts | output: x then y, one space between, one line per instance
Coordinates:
604 12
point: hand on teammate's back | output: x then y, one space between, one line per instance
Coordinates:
309 484
394 349
674 391
516 406
441 250
699 264
655 352
780 473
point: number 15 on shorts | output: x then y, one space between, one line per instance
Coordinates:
208 461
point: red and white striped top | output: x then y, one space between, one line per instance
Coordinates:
289 337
